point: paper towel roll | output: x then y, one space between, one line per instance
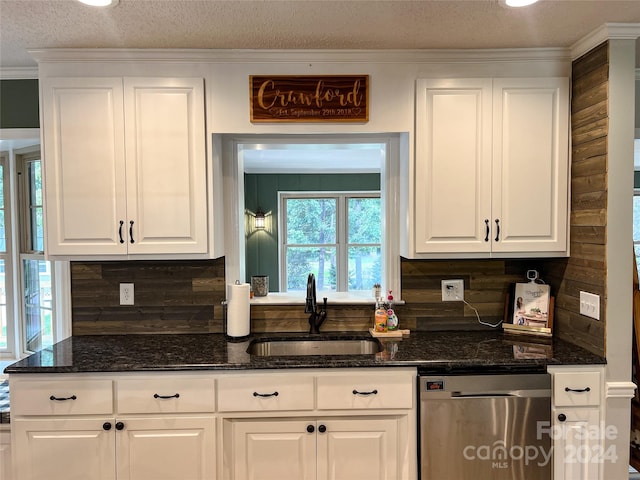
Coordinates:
238 310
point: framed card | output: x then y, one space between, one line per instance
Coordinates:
529 309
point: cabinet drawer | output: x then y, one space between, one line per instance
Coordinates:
365 391
165 394
265 393
63 397
576 388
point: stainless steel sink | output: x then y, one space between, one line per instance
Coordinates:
313 346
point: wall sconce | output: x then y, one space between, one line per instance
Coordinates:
259 217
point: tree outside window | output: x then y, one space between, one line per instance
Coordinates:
337 237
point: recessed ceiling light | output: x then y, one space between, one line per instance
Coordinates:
100 3
520 3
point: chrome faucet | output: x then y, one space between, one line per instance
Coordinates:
316 319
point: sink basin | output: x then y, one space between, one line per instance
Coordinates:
314 346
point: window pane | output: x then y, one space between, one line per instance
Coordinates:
38 304
636 218
301 261
365 266
3 233
36 242
311 221
365 223
3 309
2 187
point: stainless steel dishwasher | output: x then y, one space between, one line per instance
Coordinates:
477 427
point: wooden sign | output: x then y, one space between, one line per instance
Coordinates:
320 98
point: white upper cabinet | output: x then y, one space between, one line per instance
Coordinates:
491 171
125 166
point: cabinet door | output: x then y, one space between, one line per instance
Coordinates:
166 448
362 449
577 449
273 449
166 165
530 168
453 166
63 449
83 156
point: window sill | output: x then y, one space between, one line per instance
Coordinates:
333 298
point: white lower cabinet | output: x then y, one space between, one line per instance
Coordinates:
363 448
322 449
64 448
342 424
272 449
166 447
577 431
355 425
104 427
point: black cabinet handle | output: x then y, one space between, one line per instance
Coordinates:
486 224
120 231
577 390
106 426
265 395
497 230
131 231
164 397
119 426
62 399
372 392
562 417
322 428
311 428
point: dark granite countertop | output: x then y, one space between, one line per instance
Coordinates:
429 351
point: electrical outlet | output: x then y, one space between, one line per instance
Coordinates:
452 290
126 294
590 305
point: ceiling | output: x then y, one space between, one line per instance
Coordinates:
300 24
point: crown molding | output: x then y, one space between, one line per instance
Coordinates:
18 73
107 55
608 31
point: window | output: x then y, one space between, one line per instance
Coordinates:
336 237
36 272
27 280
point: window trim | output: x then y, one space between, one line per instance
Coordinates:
342 218
231 180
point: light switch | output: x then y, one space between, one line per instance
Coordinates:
590 305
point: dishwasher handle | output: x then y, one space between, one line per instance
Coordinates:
502 394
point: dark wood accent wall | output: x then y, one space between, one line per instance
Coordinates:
586 268
186 296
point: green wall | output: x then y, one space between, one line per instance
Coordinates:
19 104
261 190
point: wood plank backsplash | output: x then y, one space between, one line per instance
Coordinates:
186 296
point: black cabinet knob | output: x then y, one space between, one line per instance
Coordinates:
322 428
562 417
106 426
311 428
119 426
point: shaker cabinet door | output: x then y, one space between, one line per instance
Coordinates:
530 164
166 165
64 449
84 165
453 166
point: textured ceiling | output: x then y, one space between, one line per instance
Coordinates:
300 24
